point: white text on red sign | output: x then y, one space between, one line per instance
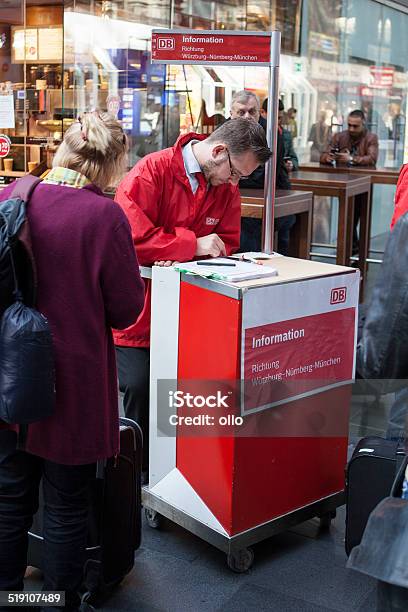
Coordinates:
223 48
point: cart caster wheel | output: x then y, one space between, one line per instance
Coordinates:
153 518
241 560
326 519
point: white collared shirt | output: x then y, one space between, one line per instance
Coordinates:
191 164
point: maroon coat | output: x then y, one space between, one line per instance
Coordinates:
88 282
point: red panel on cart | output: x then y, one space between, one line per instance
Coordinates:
276 475
248 480
209 349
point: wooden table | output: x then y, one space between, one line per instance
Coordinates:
299 203
378 176
344 187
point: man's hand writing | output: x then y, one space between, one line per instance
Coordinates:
210 245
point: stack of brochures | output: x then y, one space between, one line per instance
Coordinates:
224 269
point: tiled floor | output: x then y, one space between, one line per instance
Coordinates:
302 570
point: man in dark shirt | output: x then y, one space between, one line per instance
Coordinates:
246 104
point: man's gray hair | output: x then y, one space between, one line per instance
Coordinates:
243 96
242 135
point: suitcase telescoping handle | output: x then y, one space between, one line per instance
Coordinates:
123 422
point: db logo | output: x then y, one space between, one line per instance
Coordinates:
5 145
166 43
338 295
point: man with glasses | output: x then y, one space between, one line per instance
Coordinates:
245 104
182 202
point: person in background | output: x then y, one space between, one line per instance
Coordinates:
182 202
320 134
88 282
291 122
246 103
373 119
396 123
355 146
291 161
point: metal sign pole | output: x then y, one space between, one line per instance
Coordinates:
272 137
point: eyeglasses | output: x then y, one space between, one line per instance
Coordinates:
234 172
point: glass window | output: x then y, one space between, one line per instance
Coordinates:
107 65
31 53
286 18
354 55
357 59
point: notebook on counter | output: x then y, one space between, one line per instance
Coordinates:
227 270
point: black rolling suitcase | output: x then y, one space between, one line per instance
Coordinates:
369 477
115 518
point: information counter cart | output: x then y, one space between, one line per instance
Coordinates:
249 401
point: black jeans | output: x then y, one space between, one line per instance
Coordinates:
65 520
251 234
357 215
133 365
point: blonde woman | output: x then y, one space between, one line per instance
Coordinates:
88 282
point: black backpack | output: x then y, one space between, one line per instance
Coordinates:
27 372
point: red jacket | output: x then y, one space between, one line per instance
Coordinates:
166 219
401 196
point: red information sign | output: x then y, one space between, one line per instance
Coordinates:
218 47
5 144
291 359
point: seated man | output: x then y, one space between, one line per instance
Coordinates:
182 202
355 146
246 104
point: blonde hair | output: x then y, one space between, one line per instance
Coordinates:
95 146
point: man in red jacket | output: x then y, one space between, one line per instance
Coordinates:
182 202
